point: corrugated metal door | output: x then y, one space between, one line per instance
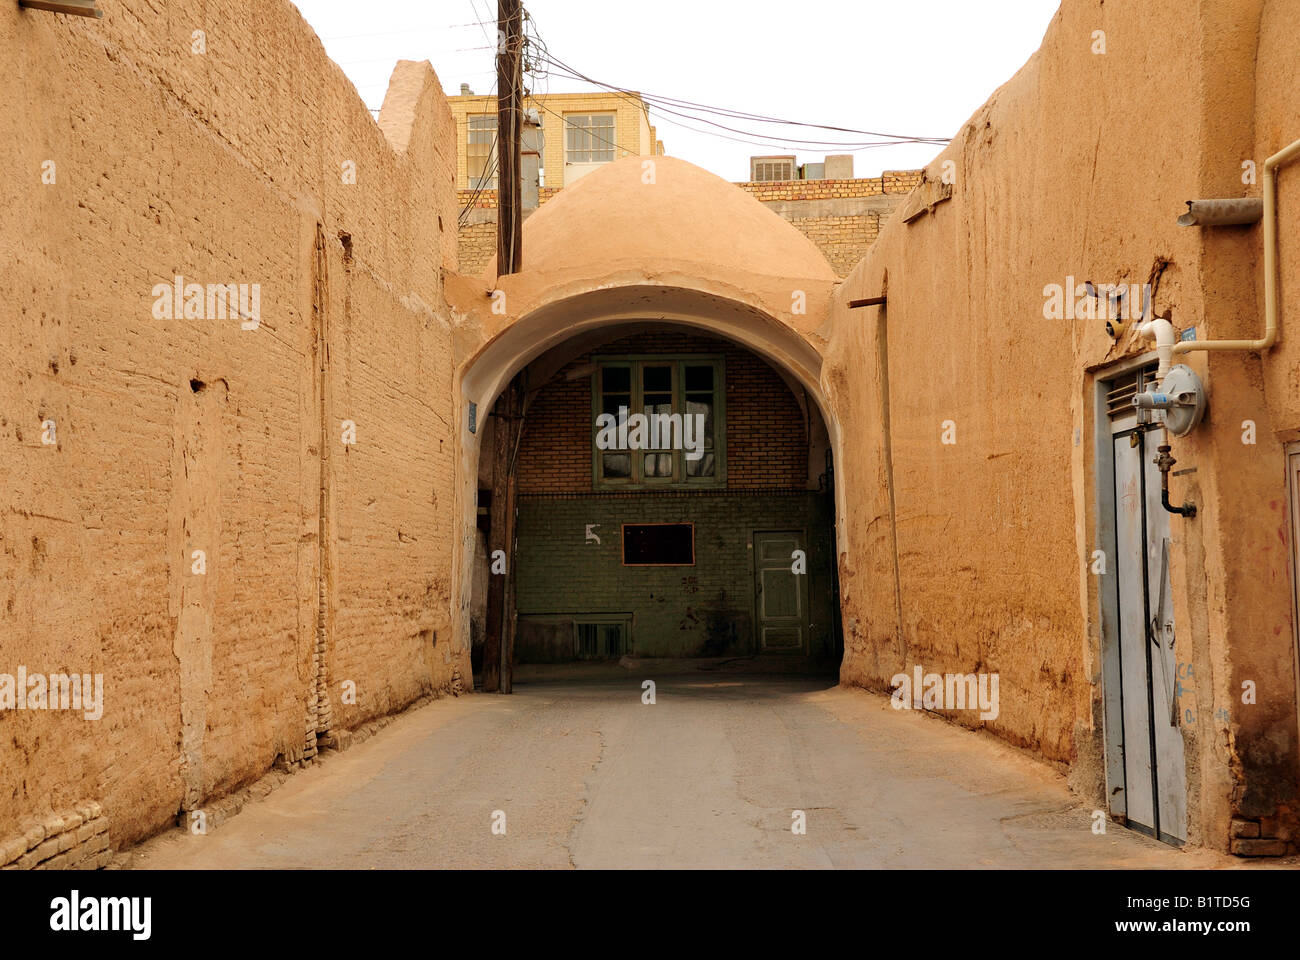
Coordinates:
1293 485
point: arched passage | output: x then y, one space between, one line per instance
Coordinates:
669 245
763 578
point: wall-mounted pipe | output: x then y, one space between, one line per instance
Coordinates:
1165 462
1222 213
1271 279
1163 333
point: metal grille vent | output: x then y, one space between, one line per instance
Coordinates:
1119 398
601 641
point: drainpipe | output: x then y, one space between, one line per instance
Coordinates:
1221 213
1271 282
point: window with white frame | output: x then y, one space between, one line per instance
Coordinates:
589 137
480 152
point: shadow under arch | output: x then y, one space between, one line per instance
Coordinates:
485 376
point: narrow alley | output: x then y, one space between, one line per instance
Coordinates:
708 776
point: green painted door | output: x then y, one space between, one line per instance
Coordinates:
781 593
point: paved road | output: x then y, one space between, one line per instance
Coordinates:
588 776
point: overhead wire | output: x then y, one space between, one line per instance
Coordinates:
661 106
688 109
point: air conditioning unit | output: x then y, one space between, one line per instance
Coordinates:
768 169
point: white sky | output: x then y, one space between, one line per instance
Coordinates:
919 69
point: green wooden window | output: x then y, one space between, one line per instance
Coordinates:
683 440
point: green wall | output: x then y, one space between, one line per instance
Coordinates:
704 610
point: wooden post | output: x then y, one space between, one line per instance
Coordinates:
509 620
498 644
510 108
496 526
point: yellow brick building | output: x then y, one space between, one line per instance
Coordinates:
580 131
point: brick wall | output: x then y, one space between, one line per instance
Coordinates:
891 182
766 436
842 240
633 134
701 610
706 609
478 245
177 434
488 200
73 839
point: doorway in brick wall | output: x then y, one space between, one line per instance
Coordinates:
781 590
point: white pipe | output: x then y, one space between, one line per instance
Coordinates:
1166 337
1271 280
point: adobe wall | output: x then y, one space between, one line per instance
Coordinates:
976 555
192 433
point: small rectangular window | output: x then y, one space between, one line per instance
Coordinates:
589 138
658 545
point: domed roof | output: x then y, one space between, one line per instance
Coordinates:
613 219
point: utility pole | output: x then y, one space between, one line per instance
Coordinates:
510 108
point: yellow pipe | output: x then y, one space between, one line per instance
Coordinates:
1271 281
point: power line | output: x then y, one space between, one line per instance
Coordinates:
483 23
676 106
592 134
727 111
400 33
662 107
483 181
391 59
492 166
479 190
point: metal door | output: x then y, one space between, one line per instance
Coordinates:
1154 786
781 594
1293 487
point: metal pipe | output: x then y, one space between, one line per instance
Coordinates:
1166 463
1271 279
1222 213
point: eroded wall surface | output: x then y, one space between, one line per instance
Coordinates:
215 142
971 506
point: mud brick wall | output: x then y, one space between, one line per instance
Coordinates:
136 154
978 555
75 839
